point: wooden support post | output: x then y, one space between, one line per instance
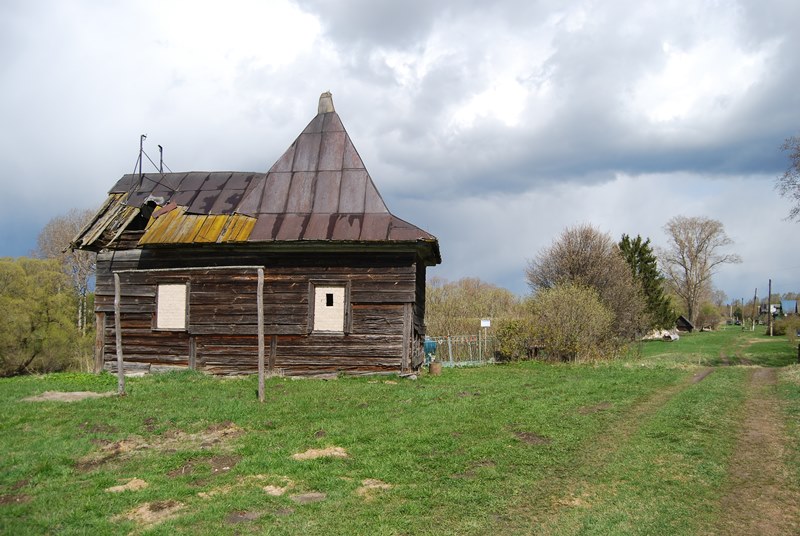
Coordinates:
798 354
192 353
99 341
260 305
450 350
118 333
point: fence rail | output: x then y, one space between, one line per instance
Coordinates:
461 350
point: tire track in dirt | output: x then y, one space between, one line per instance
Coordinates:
761 497
559 492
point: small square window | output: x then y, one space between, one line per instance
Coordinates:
329 299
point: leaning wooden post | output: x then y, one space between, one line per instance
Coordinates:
118 333
260 305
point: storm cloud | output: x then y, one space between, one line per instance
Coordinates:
493 126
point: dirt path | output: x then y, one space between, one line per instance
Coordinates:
761 498
560 492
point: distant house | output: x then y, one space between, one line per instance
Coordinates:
683 324
789 307
304 263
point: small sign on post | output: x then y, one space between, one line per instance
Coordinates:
485 324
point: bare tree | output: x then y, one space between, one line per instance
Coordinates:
692 258
788 184
584 256
53 243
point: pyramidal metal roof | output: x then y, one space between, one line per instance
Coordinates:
319 191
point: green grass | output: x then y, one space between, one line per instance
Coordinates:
729 345
631 447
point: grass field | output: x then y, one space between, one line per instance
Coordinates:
646 445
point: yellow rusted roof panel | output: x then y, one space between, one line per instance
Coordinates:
238 228
177 227
211 229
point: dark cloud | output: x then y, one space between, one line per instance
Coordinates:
494 124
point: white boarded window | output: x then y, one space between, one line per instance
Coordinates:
329 308
171 307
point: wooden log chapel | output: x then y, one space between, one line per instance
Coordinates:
302 268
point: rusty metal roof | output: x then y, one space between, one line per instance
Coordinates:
318 190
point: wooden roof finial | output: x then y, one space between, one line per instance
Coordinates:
325 103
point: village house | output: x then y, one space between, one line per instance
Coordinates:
304 264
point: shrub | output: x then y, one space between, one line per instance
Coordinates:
514 340
786 326
573 323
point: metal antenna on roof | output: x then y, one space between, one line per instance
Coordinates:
141 151
160 159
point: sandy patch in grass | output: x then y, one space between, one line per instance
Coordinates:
312 454
215 434
66 396
134 484
275 485
307 498
370 487
150 514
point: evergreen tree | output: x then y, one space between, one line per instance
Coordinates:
644 266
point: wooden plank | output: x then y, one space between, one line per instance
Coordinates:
273 352
99 341
406 358
118 331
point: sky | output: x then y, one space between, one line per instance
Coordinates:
493 125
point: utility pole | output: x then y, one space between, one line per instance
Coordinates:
769 308
755 304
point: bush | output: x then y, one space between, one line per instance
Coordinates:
514 340
708 317
786 326
573 324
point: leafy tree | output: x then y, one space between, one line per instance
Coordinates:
788 184
709 316
456 308
53 243
692 258
644 266
573 323
586 257
38 332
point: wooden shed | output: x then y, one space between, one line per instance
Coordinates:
304 263
683 324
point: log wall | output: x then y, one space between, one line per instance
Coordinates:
386 311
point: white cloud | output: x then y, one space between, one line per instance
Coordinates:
708 80
494 125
